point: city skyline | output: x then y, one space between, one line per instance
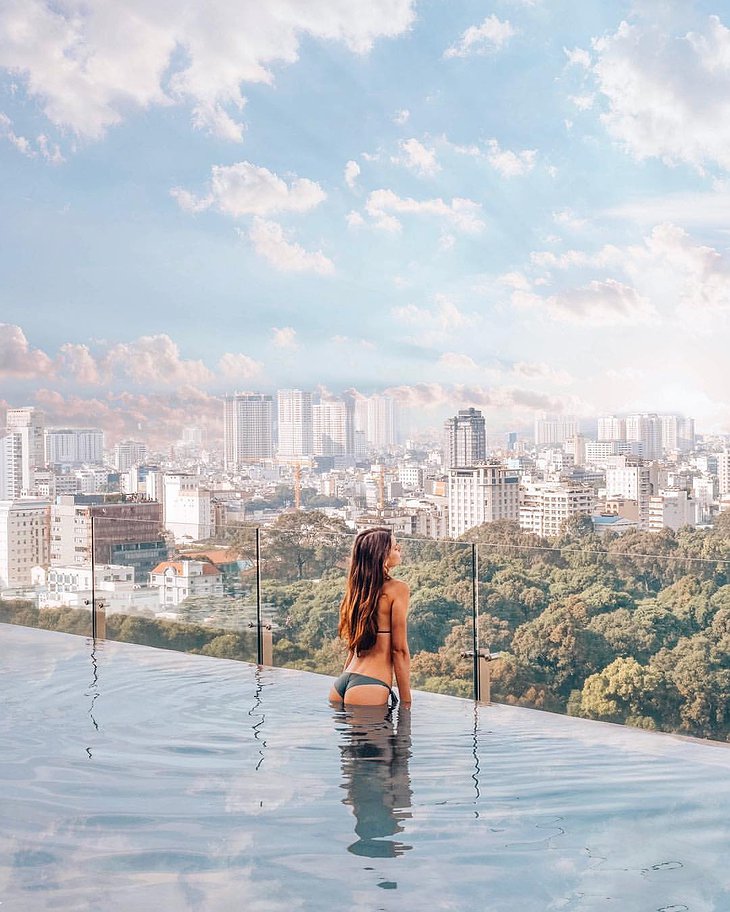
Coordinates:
498 206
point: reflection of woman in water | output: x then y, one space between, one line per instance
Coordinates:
373 624
375 777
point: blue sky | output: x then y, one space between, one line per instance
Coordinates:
520 205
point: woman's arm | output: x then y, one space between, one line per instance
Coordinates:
349 658
399 641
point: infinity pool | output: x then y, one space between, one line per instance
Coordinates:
139 779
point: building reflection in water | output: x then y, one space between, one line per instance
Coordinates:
375 751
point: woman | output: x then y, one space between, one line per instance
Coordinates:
373 624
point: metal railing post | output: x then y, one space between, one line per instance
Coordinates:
93 579
475 617
259 625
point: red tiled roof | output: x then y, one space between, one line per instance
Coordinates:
177 566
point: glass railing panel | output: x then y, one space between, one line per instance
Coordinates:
187 595
635 629
33 591
304 575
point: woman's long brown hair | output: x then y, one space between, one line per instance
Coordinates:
359 607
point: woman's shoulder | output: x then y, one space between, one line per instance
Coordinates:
395 588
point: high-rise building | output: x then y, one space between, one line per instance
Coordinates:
68 446
678 433
627 477
382 422
647 430
24 536
11 466
611 427
465 439
294 423
248 422
29 423
544 506
128 533
481 494
552 429
129 453
723 471
333 428
186 507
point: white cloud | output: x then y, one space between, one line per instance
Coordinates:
269 241
668 95
437 395
284 337
17 358
457 362
510 164
78 362
155 360
492 35
247 189
236 366
47 150
583 102
708 209
352 172
578 57
401 117
430 325
601 303
89 65
462 214
530 370
566 218
354 219
417 158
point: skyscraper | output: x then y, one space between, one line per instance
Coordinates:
333 430
551 429
294 422
465 439
382 417
248 421
29 423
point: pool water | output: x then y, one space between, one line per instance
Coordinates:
140 779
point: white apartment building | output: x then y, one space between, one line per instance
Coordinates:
294 423
11 466
611 427
186 507
671 509
114 588
629 478
411 476
382 422
704 493
129 453
23 540
544 506
465 439
177 580
30 424
723 471
647 430
248 429
678 433
481 494
68 446
552 429
599 451
332 428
